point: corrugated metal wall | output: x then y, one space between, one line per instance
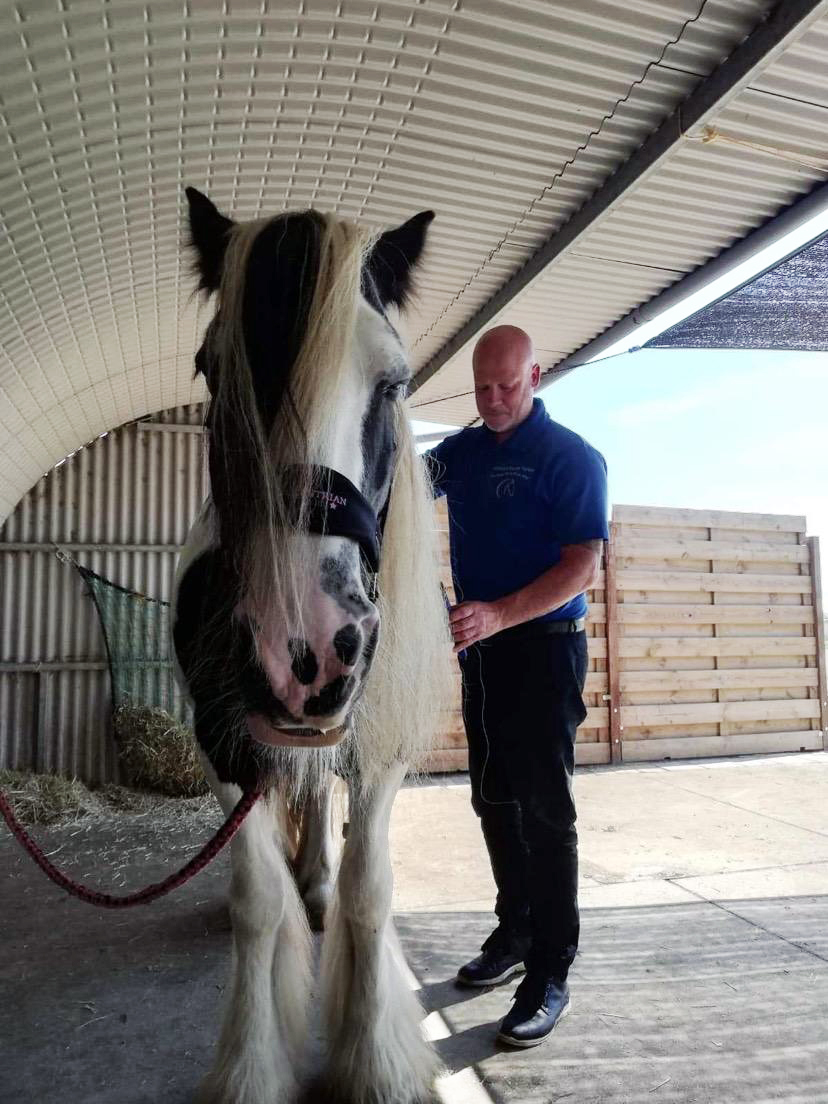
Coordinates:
122 507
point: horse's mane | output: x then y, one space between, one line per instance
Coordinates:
317 262
410 686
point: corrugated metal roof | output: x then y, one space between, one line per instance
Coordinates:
704 197
374 108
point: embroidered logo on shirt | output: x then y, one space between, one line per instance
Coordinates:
507 477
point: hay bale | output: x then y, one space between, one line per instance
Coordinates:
157 752
47 798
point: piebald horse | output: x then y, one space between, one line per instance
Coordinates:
311 638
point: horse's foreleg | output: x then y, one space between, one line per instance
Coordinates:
377 1053
316 858
259 1049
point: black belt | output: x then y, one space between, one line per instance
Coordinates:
578 625
547 628
531 630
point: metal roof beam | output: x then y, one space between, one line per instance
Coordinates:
786 20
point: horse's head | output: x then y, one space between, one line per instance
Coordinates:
306 375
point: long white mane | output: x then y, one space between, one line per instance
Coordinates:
410 686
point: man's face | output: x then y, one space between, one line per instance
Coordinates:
504 385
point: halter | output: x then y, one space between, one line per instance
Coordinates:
337 508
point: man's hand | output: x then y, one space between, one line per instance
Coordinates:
473 621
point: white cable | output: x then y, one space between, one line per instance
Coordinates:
483 797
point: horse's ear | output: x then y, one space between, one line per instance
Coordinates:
210 231
395 256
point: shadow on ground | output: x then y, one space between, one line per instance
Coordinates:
714 1003
711 1003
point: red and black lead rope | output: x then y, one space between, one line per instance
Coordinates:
150 892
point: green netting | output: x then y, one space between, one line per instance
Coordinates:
138 636
151 719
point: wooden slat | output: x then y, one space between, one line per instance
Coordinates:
596 682
708 519
819 635
597 647
761 552
662 647
639 613
742 743
451 737
597 717
721 679
644 716
439 762
692 581
587 755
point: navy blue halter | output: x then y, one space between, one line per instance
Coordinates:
339 509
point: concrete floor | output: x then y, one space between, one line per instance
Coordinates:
703 973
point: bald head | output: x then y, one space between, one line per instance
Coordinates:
505 377
505 343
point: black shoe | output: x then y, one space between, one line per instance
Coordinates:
538 1008
494 965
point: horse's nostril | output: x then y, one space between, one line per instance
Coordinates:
303 662
330 697
346 644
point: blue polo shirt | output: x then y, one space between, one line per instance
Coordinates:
513 505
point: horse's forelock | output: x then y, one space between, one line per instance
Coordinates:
280 281
278 347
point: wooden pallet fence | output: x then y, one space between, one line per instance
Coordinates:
716 645
706 638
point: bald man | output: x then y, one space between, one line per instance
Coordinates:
527 505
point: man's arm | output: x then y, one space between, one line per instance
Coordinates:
576 572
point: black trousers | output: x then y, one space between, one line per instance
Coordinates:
522 704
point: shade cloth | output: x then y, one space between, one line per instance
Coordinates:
784 308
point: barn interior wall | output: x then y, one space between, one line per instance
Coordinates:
122 507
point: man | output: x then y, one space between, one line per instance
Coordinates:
527 505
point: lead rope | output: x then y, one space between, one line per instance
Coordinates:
150 892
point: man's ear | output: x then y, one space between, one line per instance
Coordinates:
395 256
209 231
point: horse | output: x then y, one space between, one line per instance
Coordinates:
310 637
